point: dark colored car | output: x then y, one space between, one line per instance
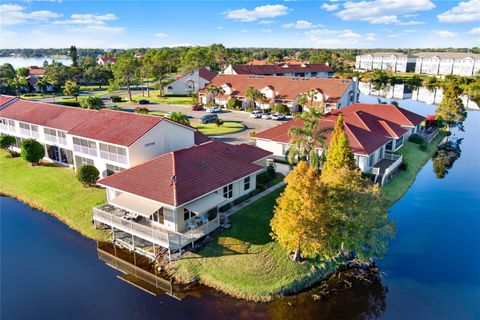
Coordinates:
197 108
143 101
208 118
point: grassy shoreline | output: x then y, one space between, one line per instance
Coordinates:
53 190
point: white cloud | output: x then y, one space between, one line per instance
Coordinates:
410 30
444 33
330 7
266 21
267 11
96 28
382 11
468 11
160 35
337 38
267 30
396 35
410 23
14 14
219 28
301 24
87 19
475 31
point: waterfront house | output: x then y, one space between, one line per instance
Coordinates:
174 199
190 82
109 140
375 132
330 93
306 70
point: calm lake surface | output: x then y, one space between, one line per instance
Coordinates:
19 62
432 269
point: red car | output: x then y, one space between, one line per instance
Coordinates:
197 108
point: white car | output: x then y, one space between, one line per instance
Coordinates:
278 116
213 109
166 115
267 116
256 114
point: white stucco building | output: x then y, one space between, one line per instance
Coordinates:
393 61
191 82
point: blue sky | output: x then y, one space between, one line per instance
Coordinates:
312 24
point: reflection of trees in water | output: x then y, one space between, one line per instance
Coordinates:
343 296
446 156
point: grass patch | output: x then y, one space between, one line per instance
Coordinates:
415 159
33 96
245 262
53 190
212 129
166 99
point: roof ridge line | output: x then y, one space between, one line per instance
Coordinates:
361 120
353 135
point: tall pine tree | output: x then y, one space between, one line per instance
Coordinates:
339 154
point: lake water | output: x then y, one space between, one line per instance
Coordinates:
431 269
18 62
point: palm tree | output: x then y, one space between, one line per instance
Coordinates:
311 94
259 97
306 139
251 94
42 84
179 117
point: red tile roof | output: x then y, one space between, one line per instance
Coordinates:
45 114
268 69
181 176
241 152
34 70
117 127
199 137
368 127
206 74
5 99
286 88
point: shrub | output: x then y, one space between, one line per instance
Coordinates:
415 138
281 108
250 109
404 166
212 104
241 199
116 99
141 110
423 146
225 207
234 103
297 114
75 104
6 142
32 151
92 102
218 122
88 175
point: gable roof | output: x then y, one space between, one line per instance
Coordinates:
181 176
6 99
286 88
206 74
267 69
117 127
46 114
366 128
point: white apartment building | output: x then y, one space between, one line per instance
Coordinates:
394 61
446 63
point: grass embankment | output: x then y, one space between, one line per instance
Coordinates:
53 190
415 159
213 129
245 262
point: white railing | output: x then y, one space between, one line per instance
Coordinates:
25 131
51 138
391 156
113 157
155 234
62 141
85 150
392 167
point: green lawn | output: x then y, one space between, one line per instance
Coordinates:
212 129
29 96
167 100
54 190
245 262
415 160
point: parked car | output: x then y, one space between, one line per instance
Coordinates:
208 118
143 101
278 116
266 116
214 109
256 114
197 107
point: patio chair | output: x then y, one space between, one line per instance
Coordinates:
204 219
191 225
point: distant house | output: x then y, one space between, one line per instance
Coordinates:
282 69
393 61
106 60
374 131
191 82
34 73
330 93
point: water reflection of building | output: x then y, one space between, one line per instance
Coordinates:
138 271
397 91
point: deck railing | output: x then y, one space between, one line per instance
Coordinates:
155 234
398 160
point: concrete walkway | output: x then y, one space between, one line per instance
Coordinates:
262 194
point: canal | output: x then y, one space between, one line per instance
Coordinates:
431 271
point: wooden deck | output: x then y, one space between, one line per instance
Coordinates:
383 165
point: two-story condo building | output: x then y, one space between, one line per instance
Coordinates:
191 82
445 63
282 69
109 140
374 132
330 93
393 61
174 199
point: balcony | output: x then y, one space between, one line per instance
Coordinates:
386 166
85 150
113 157
150 231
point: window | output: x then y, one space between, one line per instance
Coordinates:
62 137
81 161
113 153
228 191
112 169
158 216
370 160
399 142
389 145
187 214
246 183
85 146
7 125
